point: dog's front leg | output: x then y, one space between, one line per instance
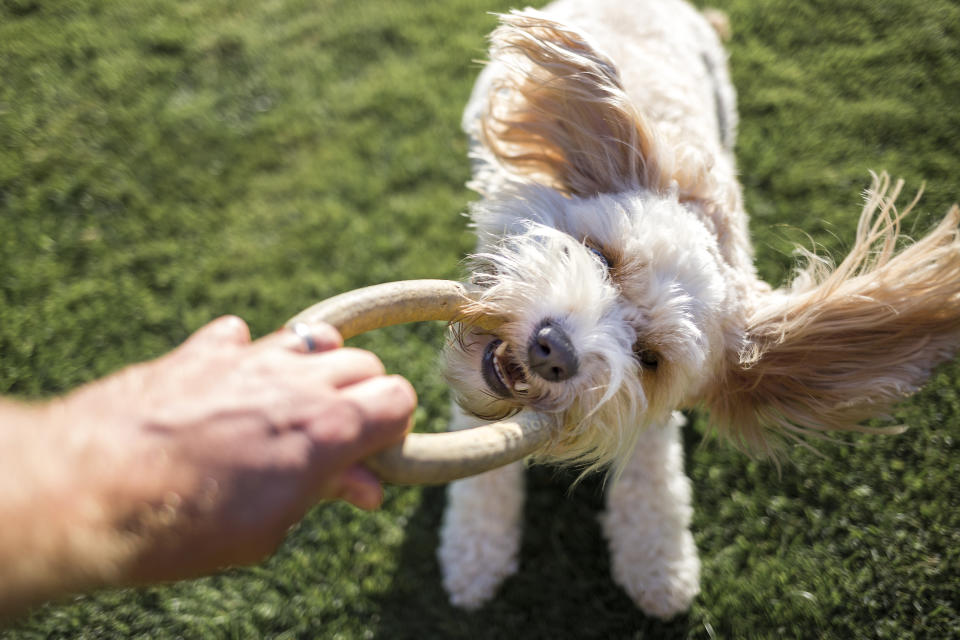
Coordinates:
480 537
647 524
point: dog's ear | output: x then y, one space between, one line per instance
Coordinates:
842 345
559 114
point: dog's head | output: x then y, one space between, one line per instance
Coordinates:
620 266
615 311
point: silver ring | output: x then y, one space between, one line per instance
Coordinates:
303 331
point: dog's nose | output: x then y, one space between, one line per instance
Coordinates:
551 354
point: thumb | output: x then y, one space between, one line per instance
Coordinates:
360 487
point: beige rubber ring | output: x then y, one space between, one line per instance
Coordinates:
429 458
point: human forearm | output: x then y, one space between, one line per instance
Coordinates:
55 532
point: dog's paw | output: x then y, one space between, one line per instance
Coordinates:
662 580
480 537
474 565
647 525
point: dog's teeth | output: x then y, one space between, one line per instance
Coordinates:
521 387
499 370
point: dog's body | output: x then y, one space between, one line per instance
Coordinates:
613 240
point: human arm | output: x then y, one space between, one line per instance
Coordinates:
198 460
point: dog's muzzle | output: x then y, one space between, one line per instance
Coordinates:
436 458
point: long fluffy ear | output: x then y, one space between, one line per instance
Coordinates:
843 345
560 116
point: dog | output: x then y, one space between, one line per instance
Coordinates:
612 238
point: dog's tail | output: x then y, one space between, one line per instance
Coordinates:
720 22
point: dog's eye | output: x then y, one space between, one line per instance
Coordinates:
648 359
602 258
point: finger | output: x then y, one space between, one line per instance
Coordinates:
344 367
360 487
223 330
386 405
303 338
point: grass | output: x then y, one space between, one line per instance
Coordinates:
162 163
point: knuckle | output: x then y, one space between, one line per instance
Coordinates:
350 427
344 419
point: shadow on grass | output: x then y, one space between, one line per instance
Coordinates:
563 587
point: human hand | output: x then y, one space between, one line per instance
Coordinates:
205 457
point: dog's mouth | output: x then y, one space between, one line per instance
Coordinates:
502 372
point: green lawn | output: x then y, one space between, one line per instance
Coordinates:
165 162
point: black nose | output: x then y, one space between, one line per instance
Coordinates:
552 354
